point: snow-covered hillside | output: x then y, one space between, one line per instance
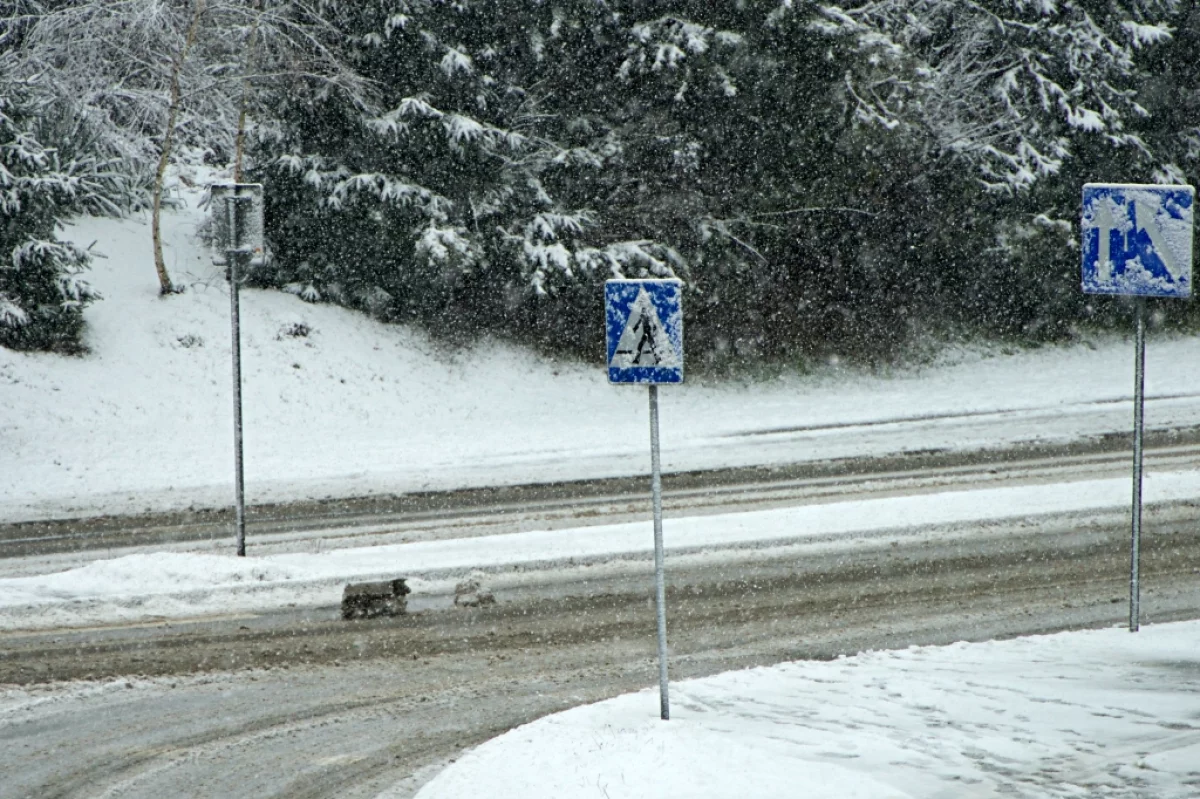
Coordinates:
355 407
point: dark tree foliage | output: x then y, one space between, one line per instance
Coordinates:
1036 243
827 180
42 294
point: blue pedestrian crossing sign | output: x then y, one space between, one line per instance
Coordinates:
1137 240
644 324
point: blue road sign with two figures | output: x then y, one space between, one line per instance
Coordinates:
1137 239
644 329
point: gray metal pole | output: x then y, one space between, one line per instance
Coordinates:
660 591
234 256
1139 401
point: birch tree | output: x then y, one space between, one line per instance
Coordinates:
153 75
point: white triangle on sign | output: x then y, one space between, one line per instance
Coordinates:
644 341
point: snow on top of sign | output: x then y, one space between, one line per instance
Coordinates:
1119 212
673 322
1137 279
1175 228
1135 186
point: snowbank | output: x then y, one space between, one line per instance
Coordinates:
175 584
1098 713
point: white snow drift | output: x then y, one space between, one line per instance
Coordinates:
1083 714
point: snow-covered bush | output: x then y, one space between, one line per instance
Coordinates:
42 291
436 198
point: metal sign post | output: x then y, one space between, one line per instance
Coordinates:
239 475
1139 404
1137 241
239 234
660 579
644 332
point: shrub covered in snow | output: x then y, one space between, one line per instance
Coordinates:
42 291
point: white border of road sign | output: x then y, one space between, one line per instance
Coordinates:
1137 239
644 331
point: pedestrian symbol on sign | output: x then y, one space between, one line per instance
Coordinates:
644 342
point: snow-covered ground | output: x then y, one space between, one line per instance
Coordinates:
1084 714
355 407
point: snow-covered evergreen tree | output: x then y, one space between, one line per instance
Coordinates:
1003 85
42 291
825 177
1170 89
439 192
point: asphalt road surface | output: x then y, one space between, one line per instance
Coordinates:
303 704
29 546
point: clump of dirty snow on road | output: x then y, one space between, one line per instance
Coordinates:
1082 714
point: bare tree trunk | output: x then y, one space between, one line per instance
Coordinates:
164 280
239 141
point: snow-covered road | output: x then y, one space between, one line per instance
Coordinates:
203 578
299 703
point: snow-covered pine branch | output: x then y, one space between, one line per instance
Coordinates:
42 291
1004 85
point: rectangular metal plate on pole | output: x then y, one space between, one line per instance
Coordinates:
1137 241
643 322
241 231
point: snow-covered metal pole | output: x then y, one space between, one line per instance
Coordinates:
1139 404
660 590
234 256
239 246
